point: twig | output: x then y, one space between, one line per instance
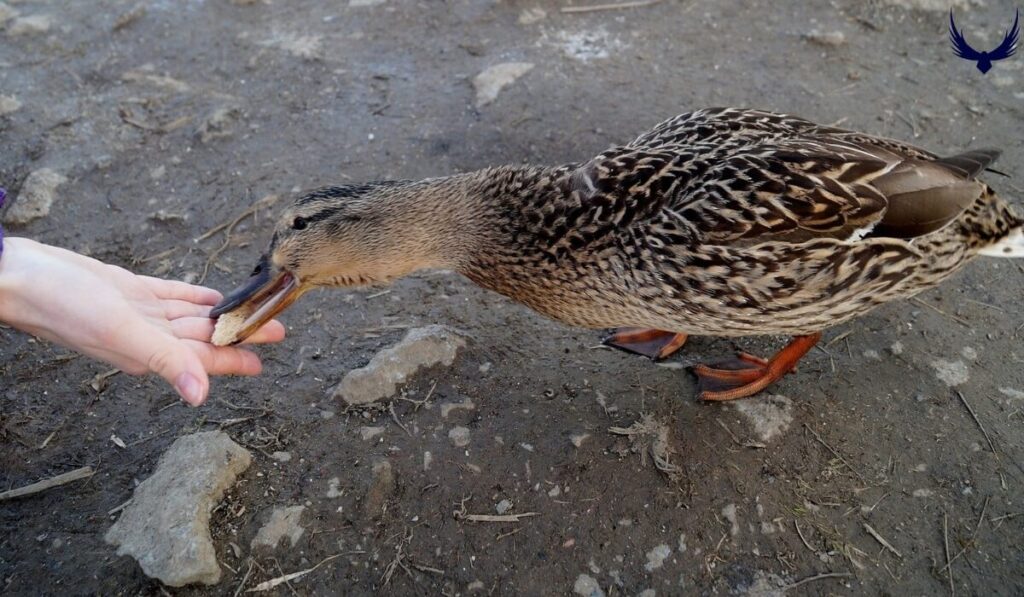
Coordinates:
941 312
228 228
39 486
737 440
614 6
945 540
508 534
270 584
974 536
836 454
801 535
245 579
496 517
976 420
816 577
394 416
881 540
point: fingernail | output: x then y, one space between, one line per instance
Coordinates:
189 388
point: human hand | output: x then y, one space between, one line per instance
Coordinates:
136 323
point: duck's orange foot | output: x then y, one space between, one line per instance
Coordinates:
653 344
747 374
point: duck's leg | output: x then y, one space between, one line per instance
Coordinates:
747 375
653 344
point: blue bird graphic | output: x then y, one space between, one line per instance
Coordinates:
984 59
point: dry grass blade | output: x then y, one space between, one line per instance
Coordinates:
280 580
803 581
949 563
834 453
612 6
496 517
40 486
991 445
881 540
941 312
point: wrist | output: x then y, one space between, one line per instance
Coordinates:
14 278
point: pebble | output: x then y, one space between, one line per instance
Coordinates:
872 355
459 436
30 25
529 16
656 557
770 416
587 586
923 493
368 433
503 506
578 439
382 485
832 39
729 512
448 407
491 81
283 522
379 379
8 104
951 373
37 195
896 348
281 456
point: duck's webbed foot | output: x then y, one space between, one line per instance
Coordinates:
747 374
651 343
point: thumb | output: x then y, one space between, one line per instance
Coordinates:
182 368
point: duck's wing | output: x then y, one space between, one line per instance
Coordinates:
779 178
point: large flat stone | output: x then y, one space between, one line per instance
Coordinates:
166 527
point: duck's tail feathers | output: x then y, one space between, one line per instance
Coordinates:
1012 245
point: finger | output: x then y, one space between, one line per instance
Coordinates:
193 328
173 309
226 360
272 331
183 291
174 361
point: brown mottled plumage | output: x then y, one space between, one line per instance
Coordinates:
720 222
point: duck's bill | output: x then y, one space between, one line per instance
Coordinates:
246 309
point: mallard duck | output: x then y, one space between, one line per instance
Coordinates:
719 222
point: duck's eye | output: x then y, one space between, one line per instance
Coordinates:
299 224
256 272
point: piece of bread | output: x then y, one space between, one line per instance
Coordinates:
228 326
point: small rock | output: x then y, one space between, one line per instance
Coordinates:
30 25
647 593
6 13
555 491
656 557
578 439
281 456
362 3
923 493
306 47
427 459
381 488
682 543
332 488
491 81
951 373
529 16
459 436
8 104
217 124
831 39
1011 393
284 522
969 353
448 407
476 585
36 196
769 416
729 512
166 525
368 433
158 172
587 586
896 348
380 378
872 355
503 506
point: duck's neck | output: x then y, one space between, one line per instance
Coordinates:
462 221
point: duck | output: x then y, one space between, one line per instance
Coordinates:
724 222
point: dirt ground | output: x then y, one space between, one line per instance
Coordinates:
896 448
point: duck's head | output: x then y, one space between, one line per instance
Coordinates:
353 235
